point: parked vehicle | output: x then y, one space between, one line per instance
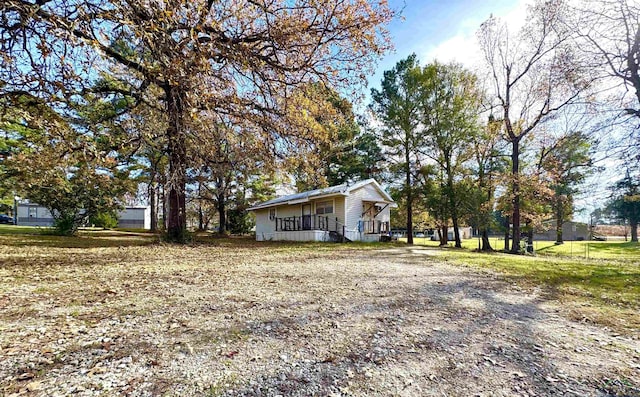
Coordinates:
6 219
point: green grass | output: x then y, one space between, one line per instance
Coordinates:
12 229
603 288
618 250
603 280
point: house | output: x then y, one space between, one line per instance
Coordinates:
465 232
571 231
32 214
356 212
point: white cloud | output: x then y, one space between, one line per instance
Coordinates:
463 47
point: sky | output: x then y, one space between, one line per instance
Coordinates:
442 30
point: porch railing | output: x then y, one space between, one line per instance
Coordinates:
374 227
306 222
326 223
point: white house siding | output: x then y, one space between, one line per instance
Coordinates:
264 226
339 208
30 214
34 215
301 235
135 218
354 205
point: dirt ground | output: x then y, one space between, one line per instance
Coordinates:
269 320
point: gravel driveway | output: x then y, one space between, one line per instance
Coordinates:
271 320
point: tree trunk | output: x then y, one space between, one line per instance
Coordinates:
559 231
452 203
530 240
456 232
486 244
200 216
177 220
409 196
506 233
559 220
164 208
153 201
634 230
515 183
222 215
444 236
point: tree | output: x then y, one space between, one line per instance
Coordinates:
610 37
567 160
451 104
487 165
70 171
434 197
397 105
533 74
330 159
626 203
238 60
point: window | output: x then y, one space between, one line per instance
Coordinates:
33 212
324 207
272 214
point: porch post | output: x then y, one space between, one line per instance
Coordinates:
276 221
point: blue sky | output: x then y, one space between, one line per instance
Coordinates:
439 29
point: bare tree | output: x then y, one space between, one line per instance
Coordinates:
610 35
534 73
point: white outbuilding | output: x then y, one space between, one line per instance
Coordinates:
32 214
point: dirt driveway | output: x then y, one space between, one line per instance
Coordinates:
271 320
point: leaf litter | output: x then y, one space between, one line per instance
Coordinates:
298 320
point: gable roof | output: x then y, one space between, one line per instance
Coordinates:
339 190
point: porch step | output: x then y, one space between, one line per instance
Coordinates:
337 237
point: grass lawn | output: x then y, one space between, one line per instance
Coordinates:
617 250
603 288
87 238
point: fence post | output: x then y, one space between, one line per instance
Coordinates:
343 231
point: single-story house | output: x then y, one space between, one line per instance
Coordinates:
466 232
32 214
356 212
571 231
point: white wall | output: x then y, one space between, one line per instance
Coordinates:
264 226
33 215
135 218
37 215
354 202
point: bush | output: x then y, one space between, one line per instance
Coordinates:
65 225
105 220
240 221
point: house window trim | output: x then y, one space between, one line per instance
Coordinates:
275 213
333 207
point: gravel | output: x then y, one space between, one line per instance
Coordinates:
274 320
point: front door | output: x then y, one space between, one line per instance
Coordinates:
306 216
